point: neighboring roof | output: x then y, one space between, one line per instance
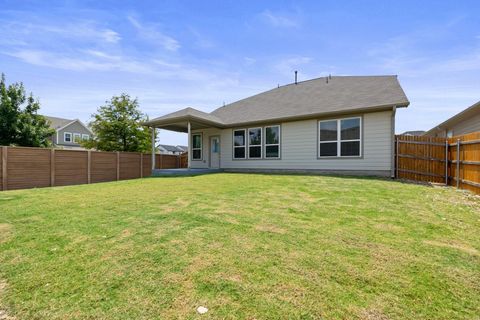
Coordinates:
56 122
463 115
183 148
60 123
170 148
311 98
414 133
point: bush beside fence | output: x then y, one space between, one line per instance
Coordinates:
23 168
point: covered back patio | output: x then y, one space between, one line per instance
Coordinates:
185 121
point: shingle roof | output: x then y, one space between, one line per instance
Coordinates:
187 113
56 123
308 98
170 148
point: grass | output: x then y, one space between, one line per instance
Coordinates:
244 246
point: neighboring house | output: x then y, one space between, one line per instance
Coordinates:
169 149
336 124
69 133
414 133
183 148
464 122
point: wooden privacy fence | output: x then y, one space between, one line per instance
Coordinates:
452 161
23 168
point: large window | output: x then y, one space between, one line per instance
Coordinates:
197 146
239 144
272 142
340 138
255 143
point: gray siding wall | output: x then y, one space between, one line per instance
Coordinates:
72 128
299 147
469 125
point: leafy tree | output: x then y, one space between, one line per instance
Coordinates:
21 127
117 127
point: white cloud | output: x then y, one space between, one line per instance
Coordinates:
78 30
150 32
48 59
280 20
248 61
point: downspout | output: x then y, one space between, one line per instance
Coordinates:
392 171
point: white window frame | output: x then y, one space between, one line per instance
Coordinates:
272 144
339 138
79 138
201 146
244 143
255 145
85 136
65 137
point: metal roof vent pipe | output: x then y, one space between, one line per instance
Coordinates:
296 76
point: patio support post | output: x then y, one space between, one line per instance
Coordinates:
189 154
153 149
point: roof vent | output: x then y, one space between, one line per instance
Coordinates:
296 76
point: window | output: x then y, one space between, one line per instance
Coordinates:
449 133
340 138
272 142
239 144
67 137
255 143
77 137
85 137
197 146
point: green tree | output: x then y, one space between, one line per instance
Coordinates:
117 127
21 126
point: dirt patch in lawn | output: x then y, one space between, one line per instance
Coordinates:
270 228
454 245
6 231
3 313
372 314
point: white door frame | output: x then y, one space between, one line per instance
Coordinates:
210 151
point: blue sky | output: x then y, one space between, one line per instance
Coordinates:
172 54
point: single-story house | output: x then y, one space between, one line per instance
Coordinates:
467 121
169 149
343 124
68 133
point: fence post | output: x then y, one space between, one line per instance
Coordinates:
89 166
4 168
396 171
52 167
141 165
458 163
446 162
118 165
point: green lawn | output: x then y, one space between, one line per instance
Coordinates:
244 246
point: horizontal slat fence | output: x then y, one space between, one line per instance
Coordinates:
440 160
23 168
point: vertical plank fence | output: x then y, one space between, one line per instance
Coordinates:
454 161
23 168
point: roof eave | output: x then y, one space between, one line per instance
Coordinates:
172 120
